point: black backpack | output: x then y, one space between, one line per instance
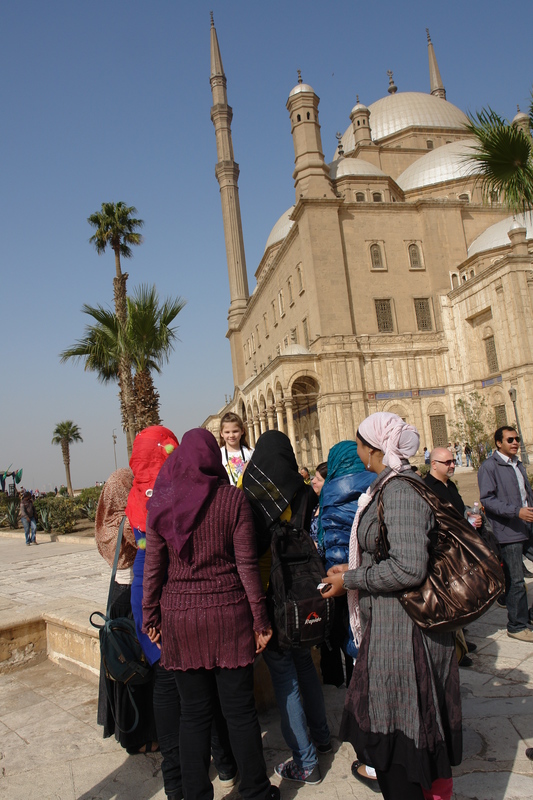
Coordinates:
123 658
301 616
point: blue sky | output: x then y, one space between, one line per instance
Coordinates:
110 100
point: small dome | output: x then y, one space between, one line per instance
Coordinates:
296 350
280 229
352 166
446 163
358 107
496 235
521 118
402 110
301 87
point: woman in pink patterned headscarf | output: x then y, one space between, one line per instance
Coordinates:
403 708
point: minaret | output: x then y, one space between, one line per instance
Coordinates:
227 173
360 116
311 174
435 80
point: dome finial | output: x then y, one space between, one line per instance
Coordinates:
357 99
429 37
299 71
435 81
392 86
212 19
338 137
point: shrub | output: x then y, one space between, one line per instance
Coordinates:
43 514
90 493
64 513
424 469
13 514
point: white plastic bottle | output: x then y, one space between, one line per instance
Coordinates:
475 512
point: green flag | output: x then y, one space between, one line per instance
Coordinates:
18 476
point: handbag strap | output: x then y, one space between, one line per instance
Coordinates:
115 562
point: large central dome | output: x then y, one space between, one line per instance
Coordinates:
397 112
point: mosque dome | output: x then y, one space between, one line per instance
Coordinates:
521 118
301 87
496 235
446 163
281 228
402 110
352 166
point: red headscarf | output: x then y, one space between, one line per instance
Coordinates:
151 448
184 486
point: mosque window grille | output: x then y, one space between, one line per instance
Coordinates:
305 329
492 355
384 316
429 144
500 416
415 259
245 354
376 257
360 197
424 321
377 197
252 339
439 431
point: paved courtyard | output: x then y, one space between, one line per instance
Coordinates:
51 747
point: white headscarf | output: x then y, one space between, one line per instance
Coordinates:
389 433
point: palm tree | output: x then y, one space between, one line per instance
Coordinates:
118 229
65 433
503 157
148 339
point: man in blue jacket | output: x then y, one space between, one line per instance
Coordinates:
508 500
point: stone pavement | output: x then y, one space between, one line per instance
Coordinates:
51 747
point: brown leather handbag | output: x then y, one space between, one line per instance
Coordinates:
464 573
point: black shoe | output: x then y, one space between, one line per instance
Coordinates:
274 793
530 615
324 749
227 779
372 783
471 647
529 753
500 601
465 662
175 796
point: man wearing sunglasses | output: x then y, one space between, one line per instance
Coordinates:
508 500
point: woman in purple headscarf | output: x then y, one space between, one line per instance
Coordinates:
403 707
204 602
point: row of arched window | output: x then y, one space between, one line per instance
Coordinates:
377 261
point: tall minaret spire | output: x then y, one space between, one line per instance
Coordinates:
435 80
227 173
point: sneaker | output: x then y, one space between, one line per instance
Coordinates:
324 749
227 781
524 636
292 772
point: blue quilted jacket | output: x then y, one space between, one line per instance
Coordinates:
339 506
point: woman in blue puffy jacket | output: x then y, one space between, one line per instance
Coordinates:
346 480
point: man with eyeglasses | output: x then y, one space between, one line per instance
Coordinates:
508 500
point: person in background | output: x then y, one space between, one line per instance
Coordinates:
458 450
345 482
304 472
204 603
507 498
403 705
439 481
468 454
27 517
233 446
277 491
426 455
317 482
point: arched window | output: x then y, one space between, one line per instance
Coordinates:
465 196
376 258
376 197
360 197
429 144
414 256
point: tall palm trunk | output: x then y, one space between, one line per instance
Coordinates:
147 400
66 461
124 364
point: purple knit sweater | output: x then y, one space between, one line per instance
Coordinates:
208 609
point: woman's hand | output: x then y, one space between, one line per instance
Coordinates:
334 586
155 636
338 569
262 638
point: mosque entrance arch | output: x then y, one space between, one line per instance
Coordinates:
307 437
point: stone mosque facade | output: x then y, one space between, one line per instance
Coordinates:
389 285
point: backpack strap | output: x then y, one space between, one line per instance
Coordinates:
115 562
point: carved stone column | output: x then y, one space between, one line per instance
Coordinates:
290 423
279 416
262 421
251 433
270 418
257 429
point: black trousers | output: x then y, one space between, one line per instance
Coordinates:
167 712
395 785
235 687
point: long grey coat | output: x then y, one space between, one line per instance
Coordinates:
403 704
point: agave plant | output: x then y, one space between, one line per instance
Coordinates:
45 519
13 514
